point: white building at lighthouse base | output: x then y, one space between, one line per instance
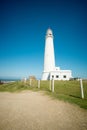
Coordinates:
57 74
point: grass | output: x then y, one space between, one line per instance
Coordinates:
68 91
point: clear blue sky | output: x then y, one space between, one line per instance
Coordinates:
23 25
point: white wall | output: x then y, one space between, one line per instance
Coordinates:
60 75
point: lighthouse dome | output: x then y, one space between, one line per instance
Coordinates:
49 33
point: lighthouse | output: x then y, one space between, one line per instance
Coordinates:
49 58
50 70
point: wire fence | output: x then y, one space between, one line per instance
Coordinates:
69 88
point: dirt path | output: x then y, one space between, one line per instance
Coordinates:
34 111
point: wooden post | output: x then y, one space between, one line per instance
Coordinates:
81 86
38 83
52 85
30 82
25 80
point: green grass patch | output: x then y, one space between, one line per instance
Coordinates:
68 91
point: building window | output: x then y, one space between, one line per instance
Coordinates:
57 76
64 76
52 76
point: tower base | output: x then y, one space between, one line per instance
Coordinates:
45 76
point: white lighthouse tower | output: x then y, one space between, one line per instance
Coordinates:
49 58
50 70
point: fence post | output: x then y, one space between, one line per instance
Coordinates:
38 83
30 82
24 80
81 86
52 85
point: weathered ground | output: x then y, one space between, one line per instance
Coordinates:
35 111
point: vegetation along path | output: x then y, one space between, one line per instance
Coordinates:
29 110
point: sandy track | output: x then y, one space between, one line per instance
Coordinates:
34 111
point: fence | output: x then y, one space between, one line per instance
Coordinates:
71 88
